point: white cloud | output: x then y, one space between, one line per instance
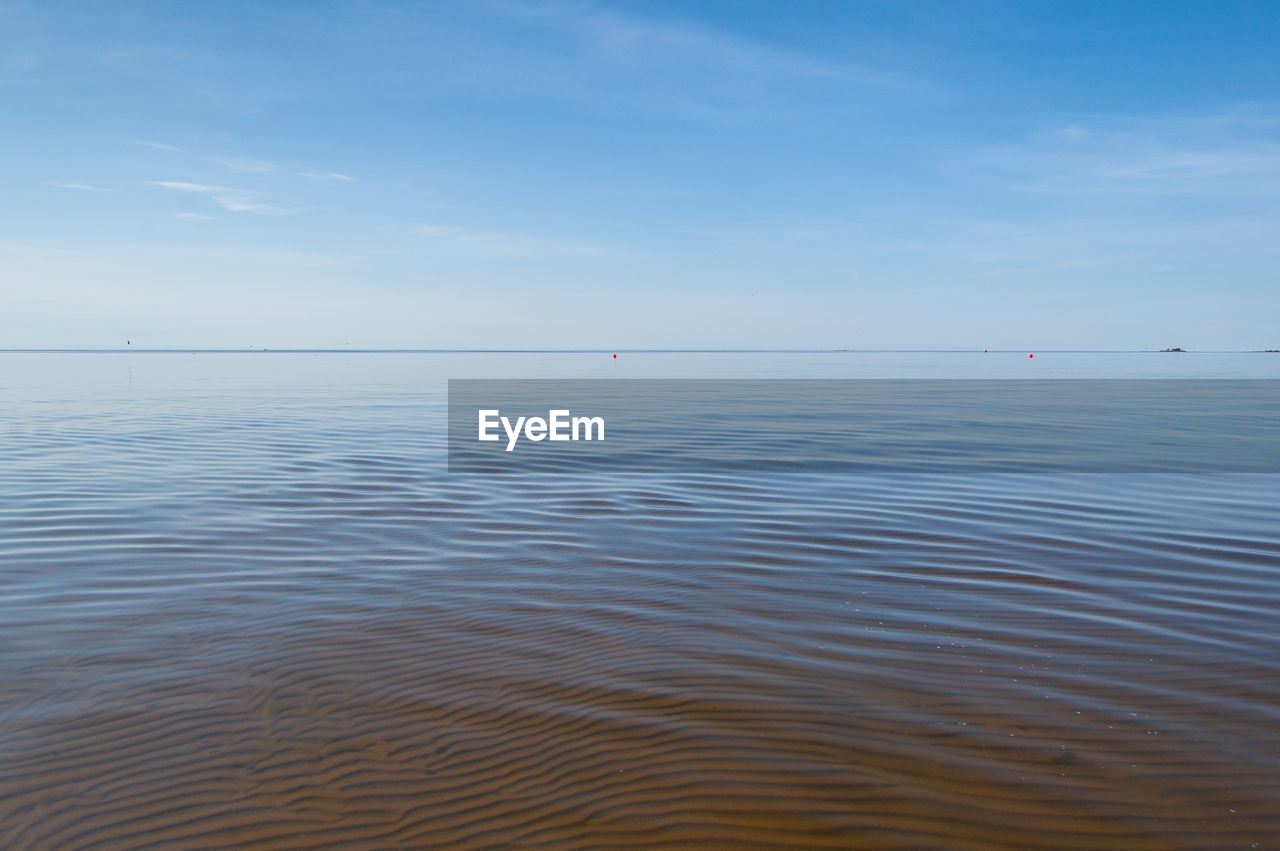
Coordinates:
629 40
1233 153
185 187
327 176
621 63
453 239
191 216
232 200
249 165
82 187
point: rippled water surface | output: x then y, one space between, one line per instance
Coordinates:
242 602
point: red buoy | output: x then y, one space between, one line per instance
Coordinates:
1030 356
615 357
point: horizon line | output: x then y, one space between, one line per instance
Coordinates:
345 350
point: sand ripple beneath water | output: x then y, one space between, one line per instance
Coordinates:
297 632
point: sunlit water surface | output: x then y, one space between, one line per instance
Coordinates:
241 601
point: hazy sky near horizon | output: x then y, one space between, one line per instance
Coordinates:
619 175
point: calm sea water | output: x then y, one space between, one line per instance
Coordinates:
242 602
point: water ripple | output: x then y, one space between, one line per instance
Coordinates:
275 620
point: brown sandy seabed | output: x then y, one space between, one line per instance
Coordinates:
408 724
345 652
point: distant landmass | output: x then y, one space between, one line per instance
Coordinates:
1174 349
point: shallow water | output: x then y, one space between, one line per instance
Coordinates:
241 601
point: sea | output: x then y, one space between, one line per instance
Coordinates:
245 603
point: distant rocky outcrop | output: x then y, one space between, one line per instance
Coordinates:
1174 349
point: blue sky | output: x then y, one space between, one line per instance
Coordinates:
846 175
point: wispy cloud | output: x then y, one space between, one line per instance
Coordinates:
192 216
632 40
232 200
453 239
159 146
327 176
617 62
250 166
1232 153
82 187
